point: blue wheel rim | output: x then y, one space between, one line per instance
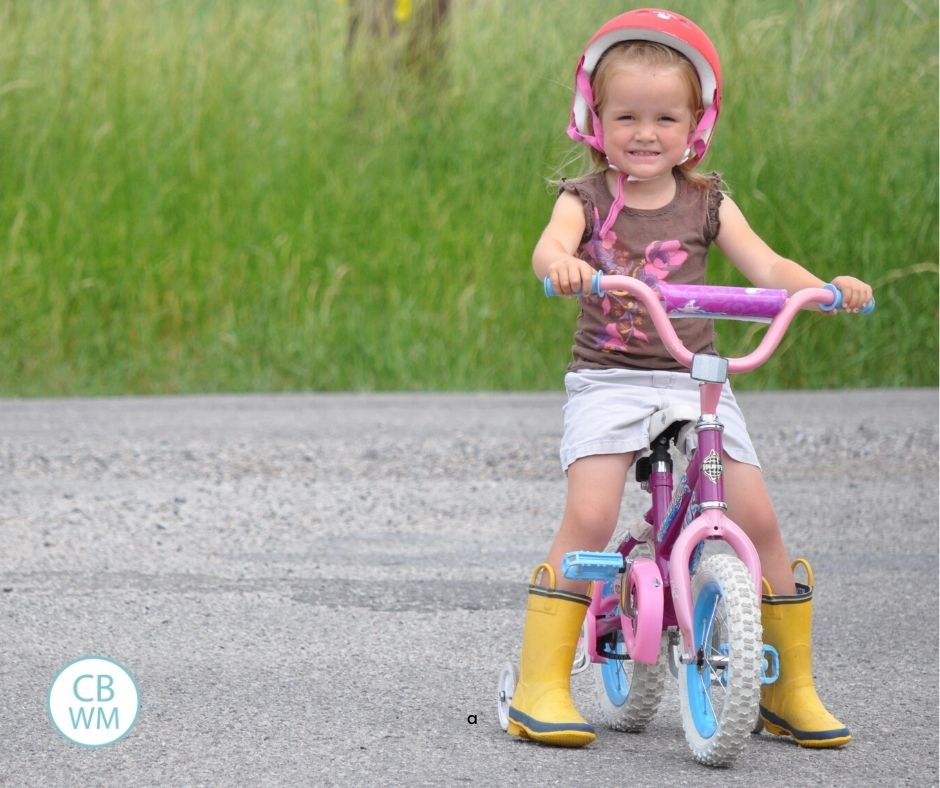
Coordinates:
616 682
699 679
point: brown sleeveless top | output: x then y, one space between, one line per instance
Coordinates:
665 244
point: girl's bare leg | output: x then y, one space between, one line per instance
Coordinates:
595 489
750 507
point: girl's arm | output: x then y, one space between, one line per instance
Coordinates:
554 253
763 267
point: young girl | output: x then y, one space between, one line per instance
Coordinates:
647 97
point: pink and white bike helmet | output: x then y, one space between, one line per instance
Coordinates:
661 27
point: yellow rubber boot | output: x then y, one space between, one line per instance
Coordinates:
541 707
790 706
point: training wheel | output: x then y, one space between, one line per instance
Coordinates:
673 652
508 678
581 659
758 724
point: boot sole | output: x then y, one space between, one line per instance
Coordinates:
562 738
557 734
816 744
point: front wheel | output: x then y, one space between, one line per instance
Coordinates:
719 692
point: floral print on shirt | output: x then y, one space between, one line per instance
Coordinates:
625 314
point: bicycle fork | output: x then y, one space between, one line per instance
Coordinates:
710 524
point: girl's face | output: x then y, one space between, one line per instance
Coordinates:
646 115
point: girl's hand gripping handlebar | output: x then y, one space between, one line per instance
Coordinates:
742 303
595 286
837 302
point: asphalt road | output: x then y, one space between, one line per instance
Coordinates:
320 589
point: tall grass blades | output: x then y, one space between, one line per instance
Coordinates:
261 196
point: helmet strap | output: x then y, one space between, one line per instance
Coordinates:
619 200
583 86
630 178
698 139
615 206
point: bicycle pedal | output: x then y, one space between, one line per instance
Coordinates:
584 565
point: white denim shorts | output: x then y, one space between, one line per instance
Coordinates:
608 412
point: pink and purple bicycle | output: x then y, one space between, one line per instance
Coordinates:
658 602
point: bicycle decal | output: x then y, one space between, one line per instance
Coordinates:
712 467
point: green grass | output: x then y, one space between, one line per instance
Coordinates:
217 196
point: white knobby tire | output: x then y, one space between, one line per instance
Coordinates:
720 692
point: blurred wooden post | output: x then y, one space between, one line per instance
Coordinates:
400 34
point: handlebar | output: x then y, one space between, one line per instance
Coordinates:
742 303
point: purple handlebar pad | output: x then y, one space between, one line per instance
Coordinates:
748 303
733 302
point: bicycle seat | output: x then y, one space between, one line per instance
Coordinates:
663 419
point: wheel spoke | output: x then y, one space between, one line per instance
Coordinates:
707 634
716 662
711 706
720 662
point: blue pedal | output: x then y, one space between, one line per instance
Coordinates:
585 565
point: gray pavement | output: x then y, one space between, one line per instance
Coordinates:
320 589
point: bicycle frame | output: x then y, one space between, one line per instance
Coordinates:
721 662
682 520
685 518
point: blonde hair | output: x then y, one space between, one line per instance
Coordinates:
645 53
